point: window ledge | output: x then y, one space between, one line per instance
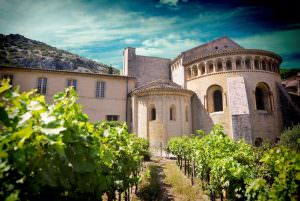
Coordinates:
219 112
263 112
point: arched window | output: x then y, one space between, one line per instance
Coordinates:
219 66
256 63
153 113
210 68
194 71
264 65
259 95
228 65
214 98
218 103
248 63
172 113
202 69
238 63
262 97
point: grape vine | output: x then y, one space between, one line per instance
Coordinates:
53 151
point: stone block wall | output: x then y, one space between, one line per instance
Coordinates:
144 68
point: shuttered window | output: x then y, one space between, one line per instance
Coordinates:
72 83
42 85
100 89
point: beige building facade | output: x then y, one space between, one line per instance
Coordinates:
216 83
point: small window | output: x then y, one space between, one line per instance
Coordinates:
112 117
225 46
42 85
216 47
172 113
72 83
100 89
10 77
153 114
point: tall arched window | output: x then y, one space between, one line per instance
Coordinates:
172 113
152 113
262 97
218 102
214 98
259 96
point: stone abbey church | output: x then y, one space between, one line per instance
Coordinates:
216 83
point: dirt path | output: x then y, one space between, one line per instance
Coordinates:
164 181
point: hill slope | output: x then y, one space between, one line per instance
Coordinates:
17 50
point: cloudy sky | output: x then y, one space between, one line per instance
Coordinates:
101 29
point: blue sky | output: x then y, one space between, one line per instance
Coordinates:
101 29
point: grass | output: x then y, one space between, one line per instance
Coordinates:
149 188
181 185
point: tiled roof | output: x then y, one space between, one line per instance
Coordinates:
160 84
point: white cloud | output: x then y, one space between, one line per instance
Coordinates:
129 41
169 2
68 24
168 46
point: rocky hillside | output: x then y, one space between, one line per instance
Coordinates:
17 50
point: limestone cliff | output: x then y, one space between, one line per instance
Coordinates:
17 50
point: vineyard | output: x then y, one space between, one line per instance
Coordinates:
53 152
238 171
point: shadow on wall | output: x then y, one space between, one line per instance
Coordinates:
290 111
201 119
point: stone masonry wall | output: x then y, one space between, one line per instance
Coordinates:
144 68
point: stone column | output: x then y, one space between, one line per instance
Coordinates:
224 64
233 63
252 63
243 64
260 63
214 66
206 67
198 69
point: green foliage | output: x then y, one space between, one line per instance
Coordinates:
288 72
52 152
239 169
279 176
291 138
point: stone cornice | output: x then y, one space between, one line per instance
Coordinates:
233 71
190 60
162 91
